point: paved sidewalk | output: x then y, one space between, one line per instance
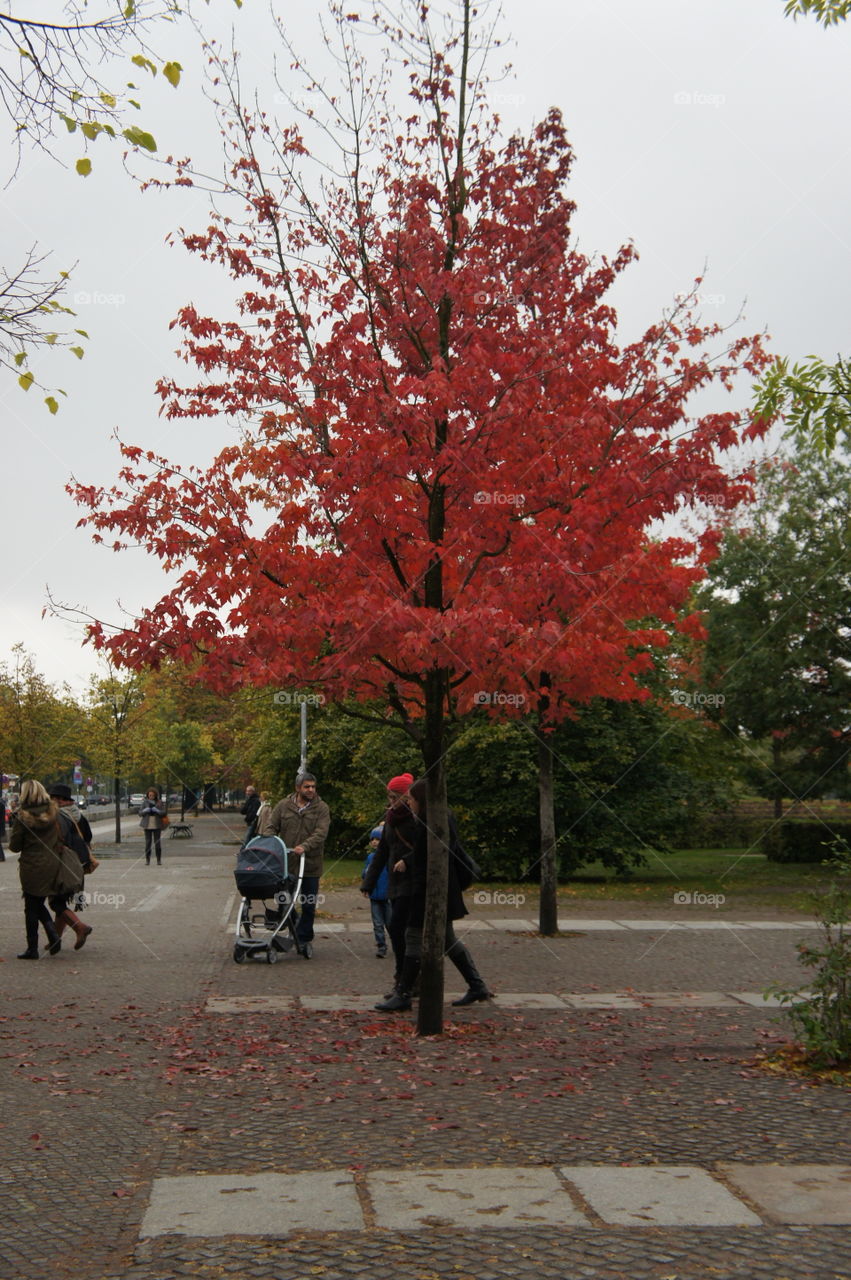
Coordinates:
167 1113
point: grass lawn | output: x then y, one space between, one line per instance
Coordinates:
745 881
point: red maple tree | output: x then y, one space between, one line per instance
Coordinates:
448 473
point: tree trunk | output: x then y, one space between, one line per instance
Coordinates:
548 911
116 785
430 1012
776 756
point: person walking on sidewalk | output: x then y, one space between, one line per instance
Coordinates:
46 865
455 910
379 903
249 811
264 816
151 817
302 821
76 835
2 826
397 842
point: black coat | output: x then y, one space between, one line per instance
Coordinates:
455 908
396 843
250 809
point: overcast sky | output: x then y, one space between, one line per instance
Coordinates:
706 131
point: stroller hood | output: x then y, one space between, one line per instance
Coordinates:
261 864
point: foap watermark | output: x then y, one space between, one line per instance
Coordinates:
284 899
684 898
505 99
702 299
697 699
484 299
284 698
495 698
696 98
84 298
484 898
485 498
87 898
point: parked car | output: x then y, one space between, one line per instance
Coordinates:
136 800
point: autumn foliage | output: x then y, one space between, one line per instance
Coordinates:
449 475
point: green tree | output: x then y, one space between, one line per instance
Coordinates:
778 606
42 729
113 714
59 76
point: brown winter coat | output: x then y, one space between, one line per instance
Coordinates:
42 867
309 829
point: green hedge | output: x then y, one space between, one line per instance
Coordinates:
804 841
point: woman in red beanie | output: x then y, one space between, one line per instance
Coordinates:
397 840
416 863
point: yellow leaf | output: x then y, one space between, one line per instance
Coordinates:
84 166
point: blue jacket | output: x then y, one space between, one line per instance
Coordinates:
379 891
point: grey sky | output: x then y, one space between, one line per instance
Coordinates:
712 131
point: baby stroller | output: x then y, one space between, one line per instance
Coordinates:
263 876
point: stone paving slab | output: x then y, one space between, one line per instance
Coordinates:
659 1196
497 1197
507 1000
804 1194
488 1199
261 1204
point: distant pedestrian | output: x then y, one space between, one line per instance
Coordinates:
262 825
76 835
302 821
250 810
46 866
379 903
151 817
2 827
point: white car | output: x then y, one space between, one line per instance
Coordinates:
137 801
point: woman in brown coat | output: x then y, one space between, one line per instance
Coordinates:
43 868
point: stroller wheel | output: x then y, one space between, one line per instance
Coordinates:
239 955
271 956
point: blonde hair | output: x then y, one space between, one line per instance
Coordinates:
33 794
264 796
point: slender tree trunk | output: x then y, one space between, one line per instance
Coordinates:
548 911
116 790
430 1013
776 754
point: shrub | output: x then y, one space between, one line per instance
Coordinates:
795 841
822 1014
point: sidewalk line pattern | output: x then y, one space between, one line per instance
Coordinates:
497 1197
544 1000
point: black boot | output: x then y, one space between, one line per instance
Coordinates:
476 986
400 1000
54 942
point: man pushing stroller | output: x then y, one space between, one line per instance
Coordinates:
302 821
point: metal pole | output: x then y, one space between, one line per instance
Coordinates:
303 766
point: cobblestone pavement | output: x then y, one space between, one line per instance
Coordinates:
113 1074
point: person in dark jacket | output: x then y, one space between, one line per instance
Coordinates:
417 862
250 810
397 841
77 835
37 837
302 821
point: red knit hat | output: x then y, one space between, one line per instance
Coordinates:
403 783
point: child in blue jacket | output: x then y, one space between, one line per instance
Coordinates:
378 901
